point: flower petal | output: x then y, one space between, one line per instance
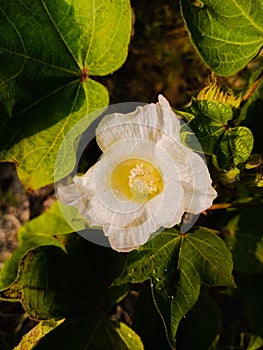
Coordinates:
150 134
158 213
99 205
69 195
193 173
102 208
149 122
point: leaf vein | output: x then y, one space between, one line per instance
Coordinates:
59 33
110 42
247 17
92 33
29 58
205 258
22 43
52 145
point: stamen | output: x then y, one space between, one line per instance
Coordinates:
142 179
136 179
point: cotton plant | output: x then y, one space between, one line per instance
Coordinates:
146 178
198 281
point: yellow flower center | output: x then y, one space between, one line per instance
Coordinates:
137 179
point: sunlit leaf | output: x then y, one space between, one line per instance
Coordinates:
48 51
37 232
89 332
31 338
256 343
176 265
93 332
226 34
229 145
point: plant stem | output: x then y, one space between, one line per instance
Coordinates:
252 88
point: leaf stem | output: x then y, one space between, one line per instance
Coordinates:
251 89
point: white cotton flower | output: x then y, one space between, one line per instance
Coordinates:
146 178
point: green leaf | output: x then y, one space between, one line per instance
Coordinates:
55 283
37 232
92 332
243 235
176 265
228 145
255 343
40 283
226 34
31 338
259 251
89 332
48 52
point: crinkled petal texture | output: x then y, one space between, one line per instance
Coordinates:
151 134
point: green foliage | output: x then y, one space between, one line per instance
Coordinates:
255 343
39 283
37 232
91 332
51 284
227 35
49 50
48 275
211 123
176 266
31 338
196 290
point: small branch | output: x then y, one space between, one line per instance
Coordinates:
252 88
220 206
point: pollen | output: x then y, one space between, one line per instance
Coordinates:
143 179
136 179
